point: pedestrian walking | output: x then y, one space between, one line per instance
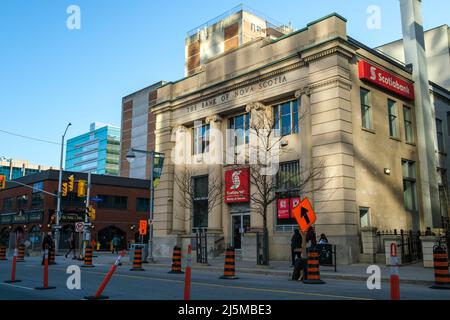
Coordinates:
71 242
296 246
47 244
323 239
311 237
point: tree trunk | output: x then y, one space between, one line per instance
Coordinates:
265 239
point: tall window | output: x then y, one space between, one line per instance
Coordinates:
366 109
8 204
409 126
241 126
287 185
200 202
142 204
393 119
440 135
443 187
286 118
201 139
288 176
22 202
409 185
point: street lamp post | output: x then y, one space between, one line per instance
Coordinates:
131 156
58 205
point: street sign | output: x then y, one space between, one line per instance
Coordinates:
95 199
143 227
304 214
79 226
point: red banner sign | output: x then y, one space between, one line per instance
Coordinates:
385 79
283 209
294 202
237 185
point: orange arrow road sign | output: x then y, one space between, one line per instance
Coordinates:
304 214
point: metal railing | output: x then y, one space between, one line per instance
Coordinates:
201 245
410 244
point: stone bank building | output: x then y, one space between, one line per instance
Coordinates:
337 103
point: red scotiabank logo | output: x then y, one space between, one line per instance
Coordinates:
237 185
385 79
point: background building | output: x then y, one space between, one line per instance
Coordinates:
97 151
26 212
138 131
13 168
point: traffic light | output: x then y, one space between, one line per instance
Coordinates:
64 189
2 181
81 188
91 213
71 181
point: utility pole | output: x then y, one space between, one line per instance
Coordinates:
87 224
57 227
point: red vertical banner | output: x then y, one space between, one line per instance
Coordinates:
237 185
283 208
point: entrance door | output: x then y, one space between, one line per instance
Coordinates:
239 225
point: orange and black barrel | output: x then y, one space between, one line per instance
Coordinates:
176 261
230 264
441 273
88 258
3 253
137 260
51 255
21 254
313 268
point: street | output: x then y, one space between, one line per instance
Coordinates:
156 284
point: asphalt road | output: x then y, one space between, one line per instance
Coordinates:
156 284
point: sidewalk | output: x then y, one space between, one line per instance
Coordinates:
409 274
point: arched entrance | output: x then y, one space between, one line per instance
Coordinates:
105 236
4 237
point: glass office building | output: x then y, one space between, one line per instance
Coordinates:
13 168
97 151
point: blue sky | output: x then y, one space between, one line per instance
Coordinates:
50 75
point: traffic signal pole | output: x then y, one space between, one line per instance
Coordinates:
87 225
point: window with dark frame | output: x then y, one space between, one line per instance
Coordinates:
286 118
201 139
22 202
409 125
366 109
113 202
287 186
8 204
440 135
142 204
393 118
409 185
200 202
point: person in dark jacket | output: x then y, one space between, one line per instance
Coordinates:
47 244
296 246
311 237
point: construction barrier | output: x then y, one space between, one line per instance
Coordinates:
137 260
187 278
395 279
176 261
13 270
51 255
312 275
21 254
230 262
98 293
441 274
3 253
88 258
45 286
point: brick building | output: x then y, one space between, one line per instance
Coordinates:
26 212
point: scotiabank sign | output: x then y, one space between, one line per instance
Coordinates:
385 79
237 185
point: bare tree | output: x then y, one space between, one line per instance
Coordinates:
185 180
264 152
